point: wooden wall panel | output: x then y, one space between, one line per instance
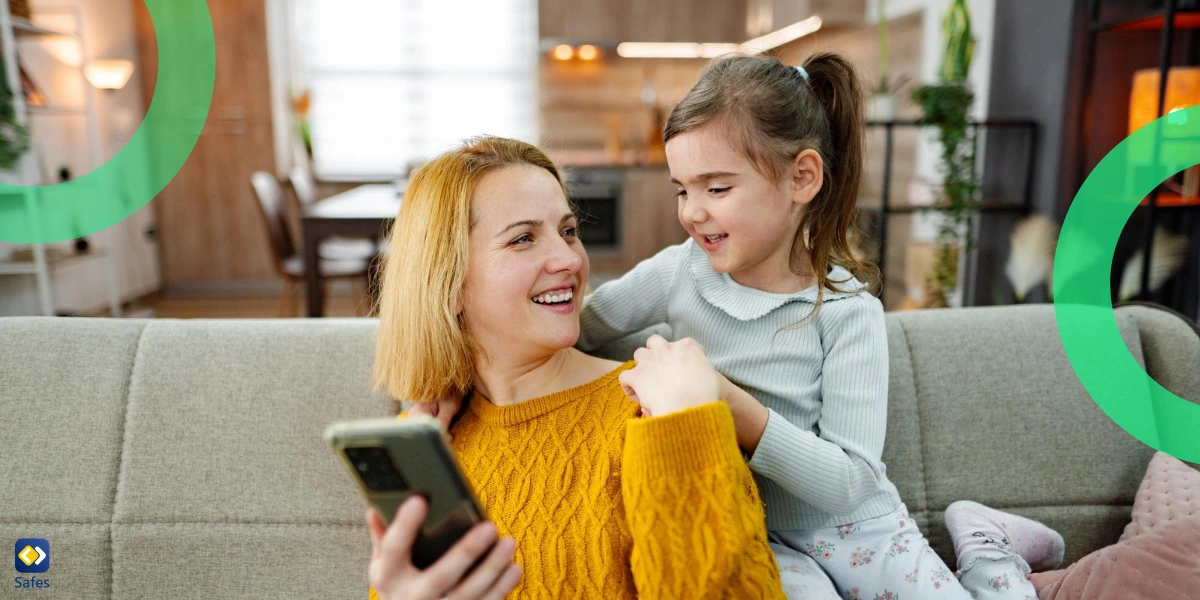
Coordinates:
613 21
209 227
578 100
687 21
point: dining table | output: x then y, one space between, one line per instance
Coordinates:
366 211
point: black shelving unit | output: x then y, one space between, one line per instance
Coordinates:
1168 19
886 208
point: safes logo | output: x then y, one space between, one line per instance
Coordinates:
31 555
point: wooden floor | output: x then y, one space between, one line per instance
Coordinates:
165 306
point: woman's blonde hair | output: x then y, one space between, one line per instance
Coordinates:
422 351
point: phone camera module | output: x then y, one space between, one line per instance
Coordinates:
376 469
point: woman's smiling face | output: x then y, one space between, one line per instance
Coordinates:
527 268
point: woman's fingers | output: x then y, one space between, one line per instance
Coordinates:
423 409
504 584
487 573
450 568
446 409
396 545
376 528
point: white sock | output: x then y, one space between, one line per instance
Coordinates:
982 532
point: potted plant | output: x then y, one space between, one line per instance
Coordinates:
881 106
945 105
14 137
301 104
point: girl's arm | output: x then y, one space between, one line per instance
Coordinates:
837 470
693 510
634 302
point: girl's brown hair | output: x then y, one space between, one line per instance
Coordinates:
773 114
422 351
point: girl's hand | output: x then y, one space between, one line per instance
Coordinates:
443 410
671 376
394 577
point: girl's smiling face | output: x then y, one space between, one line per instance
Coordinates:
744 221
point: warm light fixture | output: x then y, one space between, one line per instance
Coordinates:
673 50
109 74
780 37
771 40
563 52
588 52
1183 90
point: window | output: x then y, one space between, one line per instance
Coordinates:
398 81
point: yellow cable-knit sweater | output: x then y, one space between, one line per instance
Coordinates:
606 504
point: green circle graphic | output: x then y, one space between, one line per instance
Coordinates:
187 66
1083 307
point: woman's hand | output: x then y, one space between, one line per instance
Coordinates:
671 376
443 410
393 575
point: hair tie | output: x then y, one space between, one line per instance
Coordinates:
803 73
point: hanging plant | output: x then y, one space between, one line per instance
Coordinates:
887 84
14 137
945 106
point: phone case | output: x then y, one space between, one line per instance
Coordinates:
423 464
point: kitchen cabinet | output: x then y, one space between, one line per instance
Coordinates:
613 21
647 219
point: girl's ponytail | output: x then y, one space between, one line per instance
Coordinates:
835 85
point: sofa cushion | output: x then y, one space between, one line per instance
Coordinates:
225 420
63 388
1000 419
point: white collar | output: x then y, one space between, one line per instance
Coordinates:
746 303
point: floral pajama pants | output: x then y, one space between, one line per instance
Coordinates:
887 558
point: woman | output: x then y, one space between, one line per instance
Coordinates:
593 495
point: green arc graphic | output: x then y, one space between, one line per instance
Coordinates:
1082 289
152 157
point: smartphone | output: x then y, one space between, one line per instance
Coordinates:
392 459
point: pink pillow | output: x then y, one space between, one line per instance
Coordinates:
1170 490
1163 564
1158 556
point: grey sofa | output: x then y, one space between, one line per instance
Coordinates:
183 459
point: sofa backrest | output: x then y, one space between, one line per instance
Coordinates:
184 459
983 405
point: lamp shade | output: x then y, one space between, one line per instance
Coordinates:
1183 90
109 74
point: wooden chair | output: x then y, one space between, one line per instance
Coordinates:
305 189
289 263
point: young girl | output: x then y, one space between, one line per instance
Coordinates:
767 160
